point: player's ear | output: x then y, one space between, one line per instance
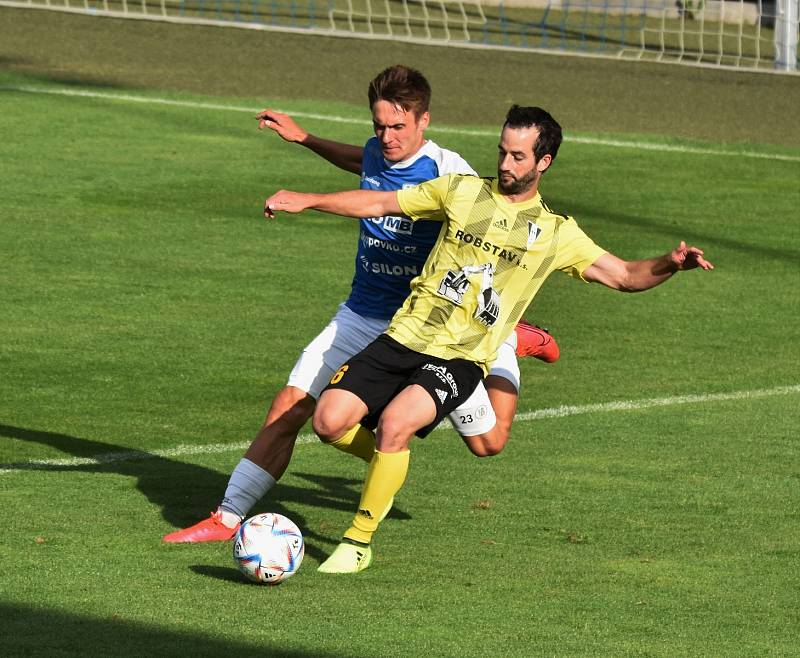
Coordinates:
424 120
543 163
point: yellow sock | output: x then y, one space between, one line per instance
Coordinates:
386 474
358 441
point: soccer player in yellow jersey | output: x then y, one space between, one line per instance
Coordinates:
499 242
391 252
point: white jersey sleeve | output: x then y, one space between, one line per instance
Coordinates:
450 162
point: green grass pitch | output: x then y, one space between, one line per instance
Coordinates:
149 313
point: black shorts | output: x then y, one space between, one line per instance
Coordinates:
385 367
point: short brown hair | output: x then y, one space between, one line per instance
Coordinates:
403 86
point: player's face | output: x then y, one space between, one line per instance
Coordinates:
401 133
518 170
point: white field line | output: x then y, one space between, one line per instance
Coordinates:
185 450
594 141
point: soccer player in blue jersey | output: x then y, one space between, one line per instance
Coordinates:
391 251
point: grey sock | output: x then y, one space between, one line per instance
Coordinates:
248 484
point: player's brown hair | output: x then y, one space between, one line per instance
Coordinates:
403 86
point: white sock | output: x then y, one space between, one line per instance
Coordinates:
247 485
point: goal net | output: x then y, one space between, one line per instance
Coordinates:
758 34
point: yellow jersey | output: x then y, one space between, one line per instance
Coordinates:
490 259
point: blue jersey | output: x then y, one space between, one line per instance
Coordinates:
392 250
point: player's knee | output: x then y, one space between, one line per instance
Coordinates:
394 433
290 409
490 450
336 413
330 423
488 444
326 427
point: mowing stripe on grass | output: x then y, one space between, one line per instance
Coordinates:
539 414
594 141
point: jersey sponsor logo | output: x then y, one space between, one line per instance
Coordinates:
533 233
372 267
400 225
442 395
387 245
444 376
496 250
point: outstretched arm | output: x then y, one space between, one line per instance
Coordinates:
351 203
638 275
344 156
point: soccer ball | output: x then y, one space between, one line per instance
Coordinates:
268 548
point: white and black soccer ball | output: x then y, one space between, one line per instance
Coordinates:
268 548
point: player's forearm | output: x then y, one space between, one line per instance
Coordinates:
638 275
356 203
648 273
351 203
344 156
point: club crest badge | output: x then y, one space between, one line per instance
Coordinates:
533 233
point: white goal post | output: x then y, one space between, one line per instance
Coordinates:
756 35
786 20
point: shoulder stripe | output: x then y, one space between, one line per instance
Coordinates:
553 212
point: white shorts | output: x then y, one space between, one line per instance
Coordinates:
345 336
348 333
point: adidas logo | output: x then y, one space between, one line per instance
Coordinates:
442 395
501 223
365 513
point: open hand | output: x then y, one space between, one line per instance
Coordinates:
688 258
282 124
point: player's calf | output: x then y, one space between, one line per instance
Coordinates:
272 448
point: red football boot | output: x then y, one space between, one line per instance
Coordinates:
536 342
210 529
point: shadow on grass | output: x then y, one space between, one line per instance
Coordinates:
29 631
187 493
81 81
228 574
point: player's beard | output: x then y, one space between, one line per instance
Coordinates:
517 185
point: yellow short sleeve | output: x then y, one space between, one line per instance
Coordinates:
577 251
425 201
